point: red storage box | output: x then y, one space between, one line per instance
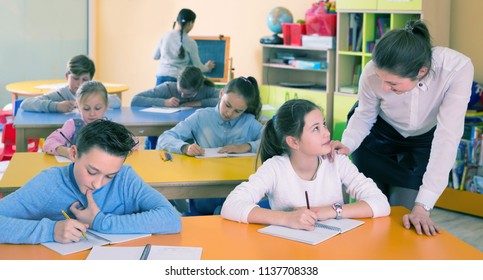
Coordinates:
321 24
292 33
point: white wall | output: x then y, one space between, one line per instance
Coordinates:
37 38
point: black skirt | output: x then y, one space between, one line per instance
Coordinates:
391 159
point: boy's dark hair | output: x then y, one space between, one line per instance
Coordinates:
81 64
192 78
403 52
184 16
248 88
111 137
288 121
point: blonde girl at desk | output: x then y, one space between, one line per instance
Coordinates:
92 103
232 126
293 172
176 50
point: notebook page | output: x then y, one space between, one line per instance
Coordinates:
342 225
310 237
134 253
213 153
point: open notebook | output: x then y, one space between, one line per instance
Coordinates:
323 230
213 153
136 252
94 238
164 110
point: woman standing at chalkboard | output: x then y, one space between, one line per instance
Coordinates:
176 50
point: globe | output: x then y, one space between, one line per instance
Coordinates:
276 17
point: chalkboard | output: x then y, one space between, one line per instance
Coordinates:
216 48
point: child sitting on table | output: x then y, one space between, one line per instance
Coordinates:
294 172
191 90
92 103
97 191
232 125
80 69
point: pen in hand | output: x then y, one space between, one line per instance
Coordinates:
145 254
61 97
66 138
68 218
194 138
307 200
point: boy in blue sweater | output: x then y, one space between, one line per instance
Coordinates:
96 190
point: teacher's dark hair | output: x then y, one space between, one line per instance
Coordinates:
288 121
111 137
403 52
184 17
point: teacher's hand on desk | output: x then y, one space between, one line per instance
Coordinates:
419 218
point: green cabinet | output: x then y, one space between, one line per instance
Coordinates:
283 80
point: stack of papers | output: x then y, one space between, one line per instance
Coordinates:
213 153
155 253
165 110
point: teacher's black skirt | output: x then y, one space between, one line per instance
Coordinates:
391 159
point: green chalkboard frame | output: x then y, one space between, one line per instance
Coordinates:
215 48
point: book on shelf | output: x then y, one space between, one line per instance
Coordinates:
153 253
94 238
348 89
323 230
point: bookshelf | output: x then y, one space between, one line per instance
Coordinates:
370 15
281 81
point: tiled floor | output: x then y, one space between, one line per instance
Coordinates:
466 227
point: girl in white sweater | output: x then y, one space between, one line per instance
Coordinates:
302 187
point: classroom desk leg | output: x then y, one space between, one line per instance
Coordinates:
20 141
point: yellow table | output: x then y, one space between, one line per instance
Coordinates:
184 177
39 87
378 239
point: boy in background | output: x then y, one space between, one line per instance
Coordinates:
80 69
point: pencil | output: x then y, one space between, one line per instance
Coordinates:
68 218
60 95
66 138
170 92
145 254
194 138
307 199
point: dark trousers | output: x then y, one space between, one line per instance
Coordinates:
391 159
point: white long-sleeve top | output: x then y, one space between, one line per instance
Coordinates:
285 190
440 100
